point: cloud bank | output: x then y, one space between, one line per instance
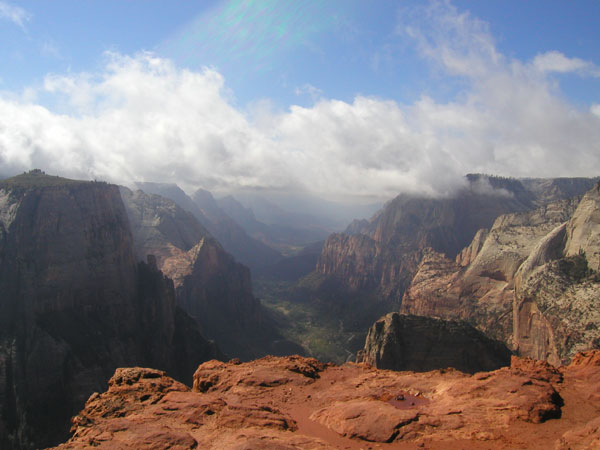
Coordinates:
141 118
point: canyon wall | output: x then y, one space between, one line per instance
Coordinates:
75 305
210 285
529 281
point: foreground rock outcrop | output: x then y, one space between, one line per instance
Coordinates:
75 305
407 342
300 403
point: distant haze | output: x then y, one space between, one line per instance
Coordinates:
141 117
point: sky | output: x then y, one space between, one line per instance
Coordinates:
352 99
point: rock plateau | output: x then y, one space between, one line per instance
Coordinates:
300 403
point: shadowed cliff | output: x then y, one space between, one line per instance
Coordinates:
75 305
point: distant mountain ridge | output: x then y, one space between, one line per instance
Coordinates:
234 239
287 238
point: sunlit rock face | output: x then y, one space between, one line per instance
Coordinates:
384 253
529 281
75 305
301 403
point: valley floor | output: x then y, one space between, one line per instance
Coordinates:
328 328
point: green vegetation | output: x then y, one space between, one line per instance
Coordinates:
330 324
575 267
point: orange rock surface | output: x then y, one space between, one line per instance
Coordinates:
301 403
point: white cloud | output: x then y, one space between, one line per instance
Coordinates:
459 42
557 62
142 118
15 14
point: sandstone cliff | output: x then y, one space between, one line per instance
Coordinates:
556 291
526 281
211 286
406 342
75 305
384 253
300 403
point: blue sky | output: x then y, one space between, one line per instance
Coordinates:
340 97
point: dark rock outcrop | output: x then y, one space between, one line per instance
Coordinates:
75 305
406 342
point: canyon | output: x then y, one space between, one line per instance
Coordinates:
210 284
430 297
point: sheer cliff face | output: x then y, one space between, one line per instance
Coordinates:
385 254
211 286
556 289
54 232
583 233
479 285
74 302
163 229
527 281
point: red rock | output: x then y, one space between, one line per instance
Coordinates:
581 438
265 372
300 403
370 420
540 370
